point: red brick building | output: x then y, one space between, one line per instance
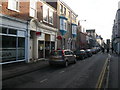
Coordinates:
28 30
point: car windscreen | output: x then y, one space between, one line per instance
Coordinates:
56 53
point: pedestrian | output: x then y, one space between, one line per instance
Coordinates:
103 49
112 49
107 50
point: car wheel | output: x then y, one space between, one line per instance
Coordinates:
74 61
66 63
50 64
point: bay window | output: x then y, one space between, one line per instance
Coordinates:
74 30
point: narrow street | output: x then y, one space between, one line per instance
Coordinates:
83 74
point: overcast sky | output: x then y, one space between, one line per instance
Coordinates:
99 14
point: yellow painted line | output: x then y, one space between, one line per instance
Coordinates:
101 77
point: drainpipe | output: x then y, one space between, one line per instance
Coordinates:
27 53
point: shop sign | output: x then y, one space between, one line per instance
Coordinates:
38 33
59 37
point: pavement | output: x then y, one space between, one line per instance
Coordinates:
20 68
114 71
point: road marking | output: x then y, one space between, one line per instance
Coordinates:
101 76
43 80
62 72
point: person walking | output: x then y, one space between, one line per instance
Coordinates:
103 50
107 50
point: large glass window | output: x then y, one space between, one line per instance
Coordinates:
63 24
74 29
4 30
8 48
13 31
13 47
21 48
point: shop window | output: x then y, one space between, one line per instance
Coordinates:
4 30
13 31
8 48
21 48
8 42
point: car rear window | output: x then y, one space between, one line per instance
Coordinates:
78 52
56 53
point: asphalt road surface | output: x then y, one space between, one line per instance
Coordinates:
83 74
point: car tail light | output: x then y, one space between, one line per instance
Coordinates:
62 52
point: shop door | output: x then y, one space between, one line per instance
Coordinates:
40 49
47 49
31 48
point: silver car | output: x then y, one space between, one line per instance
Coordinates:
62 57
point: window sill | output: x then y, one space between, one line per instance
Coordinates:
45 21
51 24
13 10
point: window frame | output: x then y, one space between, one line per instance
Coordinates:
45 11
33 3
61 8
14 8
52 16
64 10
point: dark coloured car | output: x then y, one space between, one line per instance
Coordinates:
94 51
62 57
80 54
88 52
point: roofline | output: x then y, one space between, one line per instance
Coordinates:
67 6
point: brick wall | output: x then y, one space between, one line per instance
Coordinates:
23 10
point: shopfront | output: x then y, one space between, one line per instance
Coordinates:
46 43
13 44
14 40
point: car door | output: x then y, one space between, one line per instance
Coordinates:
68 56
72 56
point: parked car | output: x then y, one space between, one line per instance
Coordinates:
89 52
94 51
80 54
62 57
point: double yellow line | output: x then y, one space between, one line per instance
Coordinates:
101 77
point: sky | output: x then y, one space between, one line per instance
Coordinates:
99 14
